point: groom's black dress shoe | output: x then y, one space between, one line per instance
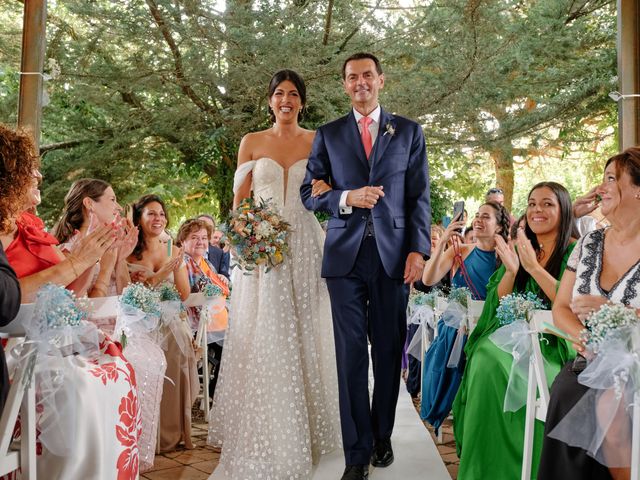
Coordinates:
356 472
382 454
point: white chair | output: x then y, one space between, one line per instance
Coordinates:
537 390
22 398
201 340
635 439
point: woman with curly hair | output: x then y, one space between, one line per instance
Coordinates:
32 252
88 381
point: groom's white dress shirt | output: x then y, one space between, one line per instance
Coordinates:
374 128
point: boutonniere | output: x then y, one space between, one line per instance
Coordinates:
389 129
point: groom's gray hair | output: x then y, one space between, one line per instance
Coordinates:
362 56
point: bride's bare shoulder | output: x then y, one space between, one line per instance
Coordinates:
309 135
249 144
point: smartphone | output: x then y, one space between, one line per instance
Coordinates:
458 212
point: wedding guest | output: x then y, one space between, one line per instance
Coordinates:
9 305
479 258
469 235
489 441
17 162
604 269
90 203
496 195
519 224
471 265
32 252
193 236
413 365
217 256
159 264
87 382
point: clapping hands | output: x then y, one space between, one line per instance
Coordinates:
512 258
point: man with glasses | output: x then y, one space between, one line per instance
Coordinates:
495 195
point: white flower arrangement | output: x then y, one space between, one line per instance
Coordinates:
606 321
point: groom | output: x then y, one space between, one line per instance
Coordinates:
376 244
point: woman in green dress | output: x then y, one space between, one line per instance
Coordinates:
489 441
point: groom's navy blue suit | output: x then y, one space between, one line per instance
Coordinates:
364 260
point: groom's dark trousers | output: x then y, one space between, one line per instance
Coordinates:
364 259
367 303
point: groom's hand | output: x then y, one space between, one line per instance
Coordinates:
413 268
365 197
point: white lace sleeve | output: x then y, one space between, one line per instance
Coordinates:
574 258
241 173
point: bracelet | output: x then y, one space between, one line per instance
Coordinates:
73 267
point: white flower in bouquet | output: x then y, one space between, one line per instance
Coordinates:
606 321
264 230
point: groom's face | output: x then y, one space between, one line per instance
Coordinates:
362 83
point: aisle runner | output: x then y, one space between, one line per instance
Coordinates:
416 456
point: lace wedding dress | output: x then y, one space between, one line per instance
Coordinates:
276 404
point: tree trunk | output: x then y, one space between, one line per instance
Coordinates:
502 156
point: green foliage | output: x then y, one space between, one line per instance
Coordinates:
155 96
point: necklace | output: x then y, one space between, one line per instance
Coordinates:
540 253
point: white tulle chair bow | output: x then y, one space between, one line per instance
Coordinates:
610 407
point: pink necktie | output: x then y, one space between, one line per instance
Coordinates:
365 134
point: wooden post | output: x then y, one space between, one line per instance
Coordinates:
31 68
629 72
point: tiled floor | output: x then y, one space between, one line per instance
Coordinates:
199 463
446 449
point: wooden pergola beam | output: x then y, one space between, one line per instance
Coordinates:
629 72
32 67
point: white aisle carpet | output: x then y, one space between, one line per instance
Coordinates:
416 456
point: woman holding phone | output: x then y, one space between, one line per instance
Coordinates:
479 259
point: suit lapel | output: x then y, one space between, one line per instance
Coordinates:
353 138
383 139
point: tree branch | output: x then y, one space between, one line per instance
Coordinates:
327 24
183 83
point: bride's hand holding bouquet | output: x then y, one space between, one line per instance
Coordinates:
258 235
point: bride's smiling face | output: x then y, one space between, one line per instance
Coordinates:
286 102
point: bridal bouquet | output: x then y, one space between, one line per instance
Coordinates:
518 306
605 321
258 235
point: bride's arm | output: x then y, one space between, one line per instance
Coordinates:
244 155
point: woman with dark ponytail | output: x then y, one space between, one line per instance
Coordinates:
89 204
471 265
479 259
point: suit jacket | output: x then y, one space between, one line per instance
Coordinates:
9 306
398 162
219 259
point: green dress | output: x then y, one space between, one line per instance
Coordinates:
489 441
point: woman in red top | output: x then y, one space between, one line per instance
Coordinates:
75 442
33 253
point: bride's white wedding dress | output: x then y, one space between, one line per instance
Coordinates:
276 404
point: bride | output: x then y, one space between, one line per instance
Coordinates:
276 409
